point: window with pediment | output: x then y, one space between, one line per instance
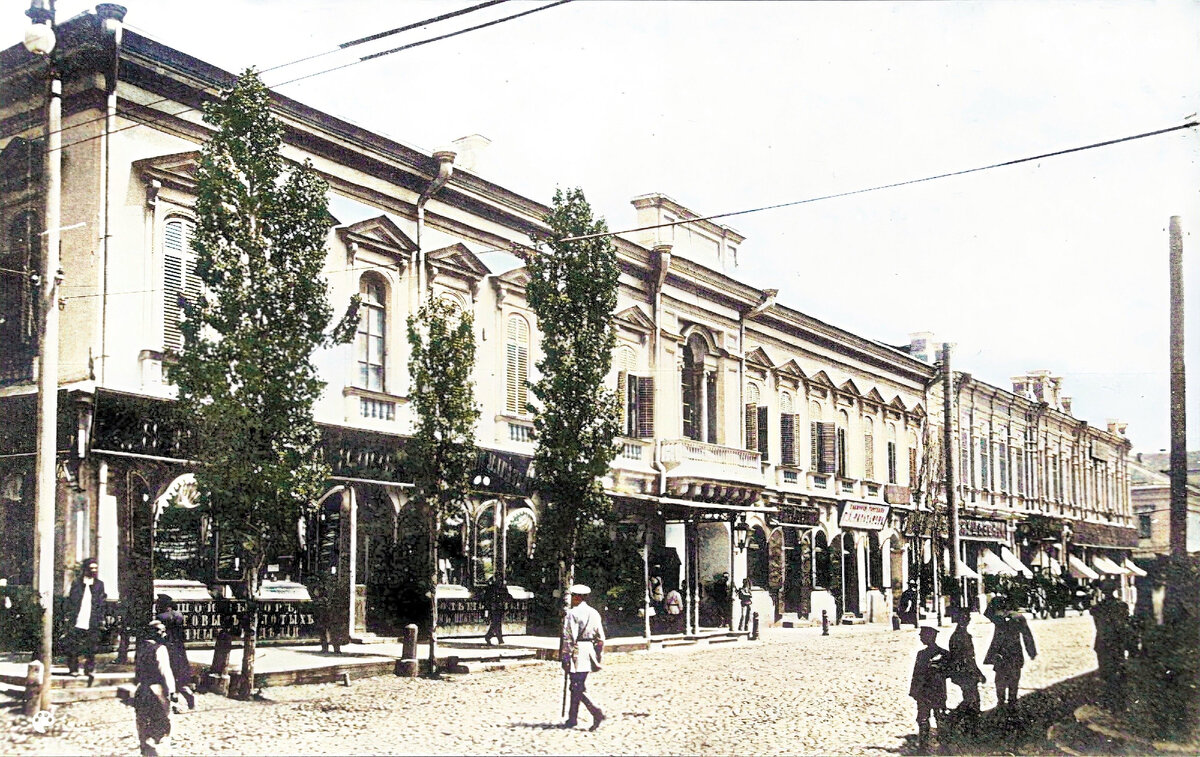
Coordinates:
756 420
516 366
698 392
371 340
181 285
787 429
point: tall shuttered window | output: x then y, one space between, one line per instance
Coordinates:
516 374
912 459
891 453
1002 460
637 393
984 464
751 415
868 449
180 282
370 344
824 447
21 259
787 430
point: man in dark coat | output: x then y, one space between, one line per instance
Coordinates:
84 614
1004 653
928 685
181 668
908 604
963 669
155 689
1113 636
494 598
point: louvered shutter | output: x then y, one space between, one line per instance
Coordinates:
814 436
912 466
869 457
712 408
891 462
517 366
763 437
625 397
751 426
787 439
644 389
828 459
840 453
180 282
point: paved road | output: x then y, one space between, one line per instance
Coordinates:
795 692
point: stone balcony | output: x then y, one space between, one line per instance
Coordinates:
711 472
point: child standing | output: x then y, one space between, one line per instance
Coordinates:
928 685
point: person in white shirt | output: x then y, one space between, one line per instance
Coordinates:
85 612
582 649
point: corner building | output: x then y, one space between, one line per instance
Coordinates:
756 441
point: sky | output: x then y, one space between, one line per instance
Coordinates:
1058 264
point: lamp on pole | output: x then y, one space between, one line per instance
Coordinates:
39 40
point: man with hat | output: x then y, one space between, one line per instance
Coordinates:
85 612
582 648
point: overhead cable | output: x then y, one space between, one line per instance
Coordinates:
1056 153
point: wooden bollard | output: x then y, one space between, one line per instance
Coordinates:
34 681
408 666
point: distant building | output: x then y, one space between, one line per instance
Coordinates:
1150 490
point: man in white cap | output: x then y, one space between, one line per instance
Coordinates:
582 648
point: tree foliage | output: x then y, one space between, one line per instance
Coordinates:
245 374
573 292
441 453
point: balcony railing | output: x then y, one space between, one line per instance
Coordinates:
676 451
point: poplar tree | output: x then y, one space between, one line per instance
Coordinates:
441 453
573 292
245 375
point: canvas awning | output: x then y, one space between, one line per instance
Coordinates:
1132 567
1080 569
964 571
990 562
1105 565
1014 562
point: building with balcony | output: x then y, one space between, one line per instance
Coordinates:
757 441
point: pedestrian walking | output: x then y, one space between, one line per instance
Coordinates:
908 604
495 596
963 669
582 649
322 620
155 690
1113 637
746 597
1005 654
85 612
181 668
928 685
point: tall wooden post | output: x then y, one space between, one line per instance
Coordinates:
951 479
1178 400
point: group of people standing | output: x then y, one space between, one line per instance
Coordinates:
934 666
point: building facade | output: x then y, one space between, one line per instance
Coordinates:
756 441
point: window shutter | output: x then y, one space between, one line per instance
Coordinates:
912 466
179 279
828 435
891 462
869 457
625 398
984 464
517 366
840 453
712 408
763 437
751 426
645 406
787 438
814 435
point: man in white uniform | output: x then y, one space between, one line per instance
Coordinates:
582 648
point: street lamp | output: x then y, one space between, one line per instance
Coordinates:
741 533
40 40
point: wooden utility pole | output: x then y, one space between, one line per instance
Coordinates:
948 449
1178 412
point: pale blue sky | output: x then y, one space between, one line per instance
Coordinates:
1060 264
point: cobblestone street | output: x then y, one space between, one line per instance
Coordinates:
795 692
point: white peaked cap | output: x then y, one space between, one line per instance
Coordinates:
581 590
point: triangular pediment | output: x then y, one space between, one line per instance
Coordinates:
875 396
379 234
821 378
849 387
759 356
790 368
459 258
898 404
635 318
177 170
517 278
917 411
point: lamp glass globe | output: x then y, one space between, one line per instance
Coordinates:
39 39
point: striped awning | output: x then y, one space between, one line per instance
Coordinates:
1080 569
1014 562
1105 565
1132 567
990 562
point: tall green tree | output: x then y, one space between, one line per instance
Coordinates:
245 374
441 453
573 292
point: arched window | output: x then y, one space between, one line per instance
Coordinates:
180 283
891 453
21 260
787 429
516 356
698 392
372 323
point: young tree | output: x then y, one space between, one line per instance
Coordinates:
573 292
442 451
245 374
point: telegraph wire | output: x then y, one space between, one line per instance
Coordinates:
893 185
340 47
